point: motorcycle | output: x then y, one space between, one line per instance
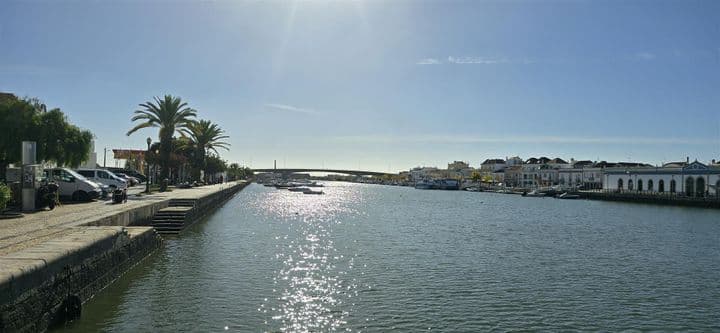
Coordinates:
119 196
47 195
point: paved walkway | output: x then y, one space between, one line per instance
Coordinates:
38 227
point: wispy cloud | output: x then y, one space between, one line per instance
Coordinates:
645 56
428 61
468 60
288 108
476 60
463 139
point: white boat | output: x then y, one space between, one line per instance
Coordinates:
568 196
534 193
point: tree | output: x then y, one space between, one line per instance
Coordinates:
169 114
475 176
205 137
235 172
214 164
61 142
18 121
28 120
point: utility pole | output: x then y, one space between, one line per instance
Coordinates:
104 156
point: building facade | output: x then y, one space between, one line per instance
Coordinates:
693 179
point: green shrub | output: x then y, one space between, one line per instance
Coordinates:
5 196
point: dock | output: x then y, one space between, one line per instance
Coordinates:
51 262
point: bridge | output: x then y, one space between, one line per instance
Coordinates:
286 171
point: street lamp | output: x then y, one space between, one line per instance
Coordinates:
147 174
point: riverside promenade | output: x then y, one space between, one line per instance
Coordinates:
53 261
35 228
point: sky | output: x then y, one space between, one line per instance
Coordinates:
383 85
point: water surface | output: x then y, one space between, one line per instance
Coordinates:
376 258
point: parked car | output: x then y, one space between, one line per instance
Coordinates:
73 185
132 173
132 181
104 177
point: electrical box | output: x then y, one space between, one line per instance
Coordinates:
31 176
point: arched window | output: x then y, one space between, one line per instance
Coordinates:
630 184
690 186
700 187
650 185
661 186
673 186
640 185
620 184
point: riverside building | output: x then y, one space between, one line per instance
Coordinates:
681 178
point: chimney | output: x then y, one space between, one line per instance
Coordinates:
274 164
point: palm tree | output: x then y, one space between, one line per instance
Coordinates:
205 137
170 114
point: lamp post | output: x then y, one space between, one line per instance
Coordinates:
147 166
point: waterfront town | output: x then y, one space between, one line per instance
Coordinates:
682 178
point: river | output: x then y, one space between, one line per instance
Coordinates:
370 258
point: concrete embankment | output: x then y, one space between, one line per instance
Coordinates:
45 283
673 200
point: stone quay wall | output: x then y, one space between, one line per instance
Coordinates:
46 284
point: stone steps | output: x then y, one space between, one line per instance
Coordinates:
174 218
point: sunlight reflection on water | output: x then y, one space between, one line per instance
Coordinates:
312 285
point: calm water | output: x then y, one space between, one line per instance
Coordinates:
376 258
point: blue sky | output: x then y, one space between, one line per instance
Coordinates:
384 85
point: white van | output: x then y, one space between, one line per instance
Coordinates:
73 185
104 177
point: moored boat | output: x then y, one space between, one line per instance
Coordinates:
533 193
309 191
567 195
298 189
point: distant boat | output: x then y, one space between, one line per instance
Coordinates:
309 191
534 193
298 189
567 196
439 184
424 185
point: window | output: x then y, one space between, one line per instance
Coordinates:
61 175
650 185
673 187
87 173
103 174
640 185
717 189
661 186
620 184
630 184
